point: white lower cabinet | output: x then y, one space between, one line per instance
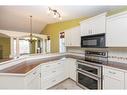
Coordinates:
72 68
29 81
43 76
56 71
52 73
35 83
112 78
126 80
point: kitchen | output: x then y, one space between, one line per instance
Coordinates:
82 53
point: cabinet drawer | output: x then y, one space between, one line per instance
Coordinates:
49 82
113 73
51 65
32 74
52 72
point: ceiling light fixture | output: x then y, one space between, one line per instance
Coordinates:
54 12
31 32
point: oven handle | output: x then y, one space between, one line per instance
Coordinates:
91 65
96 78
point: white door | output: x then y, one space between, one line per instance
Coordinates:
35 83
99 24
112 78
116 35
72 68
75 36
94 25
112 83
67 38
125 80
72 37
84 28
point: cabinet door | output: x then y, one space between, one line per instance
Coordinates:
117 31
72 68
112 83
125 80
84 28
98 24
75 36
72 37
67 38
35 83
113 79
94 25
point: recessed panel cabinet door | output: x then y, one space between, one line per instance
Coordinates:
112 83
35 83
72 37
113 79
75 36
94 25
72 68
116 35
67 38
125 80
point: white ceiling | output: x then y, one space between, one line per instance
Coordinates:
16 18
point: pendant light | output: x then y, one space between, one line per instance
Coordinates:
31 32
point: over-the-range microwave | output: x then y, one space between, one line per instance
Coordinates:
93 41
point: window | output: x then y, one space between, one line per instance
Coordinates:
24 47
62 47
47 42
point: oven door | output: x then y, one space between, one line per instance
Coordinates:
89 68
87 81
97 41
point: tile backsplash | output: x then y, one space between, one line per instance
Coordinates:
114 54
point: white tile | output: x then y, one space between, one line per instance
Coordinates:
66 85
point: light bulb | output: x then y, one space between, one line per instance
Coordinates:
54 16
60 18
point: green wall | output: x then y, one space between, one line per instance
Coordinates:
117 10
54 29
5 43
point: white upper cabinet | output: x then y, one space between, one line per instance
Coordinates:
116 34
94 25
72 37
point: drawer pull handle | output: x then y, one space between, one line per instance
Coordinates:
53 71
112 72
47 66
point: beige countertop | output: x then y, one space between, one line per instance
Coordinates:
28 65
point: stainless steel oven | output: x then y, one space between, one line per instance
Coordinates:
88 75
96 41
89 70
